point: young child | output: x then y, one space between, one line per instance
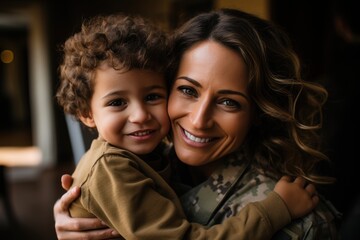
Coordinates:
112 80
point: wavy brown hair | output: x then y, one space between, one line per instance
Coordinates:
123 42
284 138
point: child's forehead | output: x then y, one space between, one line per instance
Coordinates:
134 83
106 72
121 68
125 65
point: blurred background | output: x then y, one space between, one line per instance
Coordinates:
35 147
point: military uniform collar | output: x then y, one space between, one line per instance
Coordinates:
203 201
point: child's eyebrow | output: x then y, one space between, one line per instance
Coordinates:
122 92
113 93
156 87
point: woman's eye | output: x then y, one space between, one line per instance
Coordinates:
117 103
188 91
231 103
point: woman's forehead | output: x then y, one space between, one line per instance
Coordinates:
211 61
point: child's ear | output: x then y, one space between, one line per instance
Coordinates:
88 121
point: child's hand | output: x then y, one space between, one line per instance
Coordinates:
299 196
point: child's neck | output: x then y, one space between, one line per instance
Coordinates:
154 160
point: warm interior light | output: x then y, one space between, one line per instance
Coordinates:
7 56
20 156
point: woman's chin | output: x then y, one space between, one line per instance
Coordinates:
191 159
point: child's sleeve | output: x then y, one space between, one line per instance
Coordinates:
129 200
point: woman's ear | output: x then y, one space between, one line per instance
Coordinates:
88 121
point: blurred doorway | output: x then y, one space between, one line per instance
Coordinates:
15 123
27 119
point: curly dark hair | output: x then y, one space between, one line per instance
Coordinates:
122 41
285 139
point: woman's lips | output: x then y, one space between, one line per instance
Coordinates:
194 140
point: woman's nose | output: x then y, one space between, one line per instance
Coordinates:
139 114
201 114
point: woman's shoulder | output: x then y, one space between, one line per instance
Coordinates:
253 186
322 223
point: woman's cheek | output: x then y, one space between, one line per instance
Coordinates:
174 106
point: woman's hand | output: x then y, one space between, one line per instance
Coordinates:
77 228
66 181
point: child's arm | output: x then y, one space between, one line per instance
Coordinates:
258 220
291 199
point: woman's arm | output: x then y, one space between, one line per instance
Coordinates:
77 228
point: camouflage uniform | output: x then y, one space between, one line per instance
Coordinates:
234 185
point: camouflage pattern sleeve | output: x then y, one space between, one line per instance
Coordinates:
235 185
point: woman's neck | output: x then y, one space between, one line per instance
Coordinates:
201 173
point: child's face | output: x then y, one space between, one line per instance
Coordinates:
129 108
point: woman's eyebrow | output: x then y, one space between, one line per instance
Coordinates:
193 81
225 91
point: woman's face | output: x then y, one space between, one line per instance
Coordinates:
209 104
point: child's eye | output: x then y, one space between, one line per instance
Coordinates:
188 91
153 97
117 103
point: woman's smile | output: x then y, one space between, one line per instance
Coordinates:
209 108
191 138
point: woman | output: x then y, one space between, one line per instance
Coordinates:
241 118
